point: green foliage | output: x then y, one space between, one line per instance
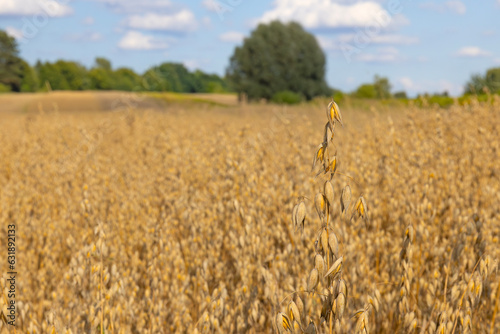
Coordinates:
467 98
400 95
382 87
338 96
63 75
366 91
100 79
126 79
441 100
475 85
278 57
103 63
286 97
29 78
4 88
479 84
11 69
209 83
173 77
493 79
170 77
101 76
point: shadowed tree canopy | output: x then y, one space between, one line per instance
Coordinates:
278 57
11 66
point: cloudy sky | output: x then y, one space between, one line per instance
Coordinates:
420 45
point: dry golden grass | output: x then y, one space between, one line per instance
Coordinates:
179 220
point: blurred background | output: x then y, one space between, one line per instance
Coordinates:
371 49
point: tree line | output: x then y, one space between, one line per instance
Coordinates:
278 62
17 75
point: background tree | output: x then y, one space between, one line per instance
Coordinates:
475 85
29 79
171 77
366 91
478 84
63 75
400 95
493 79
100 75
209 83
278 57
382 87
126 79
11 67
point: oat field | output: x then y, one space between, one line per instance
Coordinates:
178 217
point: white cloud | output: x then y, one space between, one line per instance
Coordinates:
134 6
360 41
408 84
206 21
181 21
329 14
135 40
392 39
382 55
16 33
84 37
327 43
454 6
89 20
232 36
212 5
50 8
472 52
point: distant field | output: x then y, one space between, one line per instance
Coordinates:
105 101
171 213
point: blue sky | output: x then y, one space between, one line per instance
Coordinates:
421 46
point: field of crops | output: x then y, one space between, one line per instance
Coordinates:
176 217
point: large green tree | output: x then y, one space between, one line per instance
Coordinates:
278 57
11 66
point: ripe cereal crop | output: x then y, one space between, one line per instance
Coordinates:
205 218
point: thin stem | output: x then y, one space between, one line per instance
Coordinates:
328 259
